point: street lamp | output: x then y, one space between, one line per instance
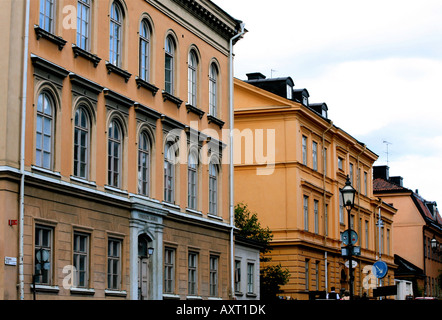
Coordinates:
348 197
434 244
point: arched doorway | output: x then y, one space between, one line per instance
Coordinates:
145 250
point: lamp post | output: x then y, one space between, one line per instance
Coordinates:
348 197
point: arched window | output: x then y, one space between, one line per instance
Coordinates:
83 23
169 65
213 90
169 173
45 131
144 50
143 164
213 188
192 79
46 20
115 140
115 40
81 143
192 177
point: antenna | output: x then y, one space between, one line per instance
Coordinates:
387 143
271 72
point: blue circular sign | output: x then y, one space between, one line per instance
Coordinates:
380 269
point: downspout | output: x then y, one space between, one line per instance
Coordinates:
324 164
22 155
231 167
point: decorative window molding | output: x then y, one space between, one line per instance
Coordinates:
190 108
85 54
172 98
41 33
216 121
146 85
117 70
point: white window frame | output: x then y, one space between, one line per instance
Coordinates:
169 65
144 50
192 179
116 34
79 254
46 273
114 264
47 15
45 119
114 171
144 164
213 188
305 204
81 142
192 78
83 24
169 173
213 90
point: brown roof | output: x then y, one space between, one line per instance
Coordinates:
380 184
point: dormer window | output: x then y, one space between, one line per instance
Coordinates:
305 100
289 92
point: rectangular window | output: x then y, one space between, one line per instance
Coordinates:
83 24
340 163
365 183
326 219
43 255
351 173
366 234
213 281
304 150
306 213
341 210
316 211
169 270
193 273
81 259
250 277
114 264
307 274
388 241
315 155
317 275
237 276
46 20
325 161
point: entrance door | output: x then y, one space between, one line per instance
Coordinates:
143 268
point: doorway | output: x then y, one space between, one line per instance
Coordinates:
143 267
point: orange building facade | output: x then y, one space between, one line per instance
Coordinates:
290 163
116 171
417 233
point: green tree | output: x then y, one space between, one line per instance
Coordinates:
271 277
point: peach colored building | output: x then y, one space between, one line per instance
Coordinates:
99 101
291 161
415 226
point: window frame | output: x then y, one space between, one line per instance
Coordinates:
38 239
145 50
48 22
78 129
169 269
192 181
87 6
306 215
144 176
113 283
192 78
213 275
169 55
192 274
42 116
213 90
213 188
112 171
116 40
77 254
304 150
169 172
250 278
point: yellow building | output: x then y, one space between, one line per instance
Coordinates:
290 163
103 102
417 233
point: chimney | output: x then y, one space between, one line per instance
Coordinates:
381 172
397 181
255 76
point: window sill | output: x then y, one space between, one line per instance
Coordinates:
83 291
190 108
171 296
194 211
41 33
45 288
83 181
171 205
216 121
146 85
115 293
117 70
251 295
172 98
46 171
214 216
115 190
194 298
85 54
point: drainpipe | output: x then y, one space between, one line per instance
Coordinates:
22 155
325 198
231 167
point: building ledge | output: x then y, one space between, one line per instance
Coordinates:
83 291
85 54
190 108
216 121
45 288
117 70
115 293
172 98
41 33
146 85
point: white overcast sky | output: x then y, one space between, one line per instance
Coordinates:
377 64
